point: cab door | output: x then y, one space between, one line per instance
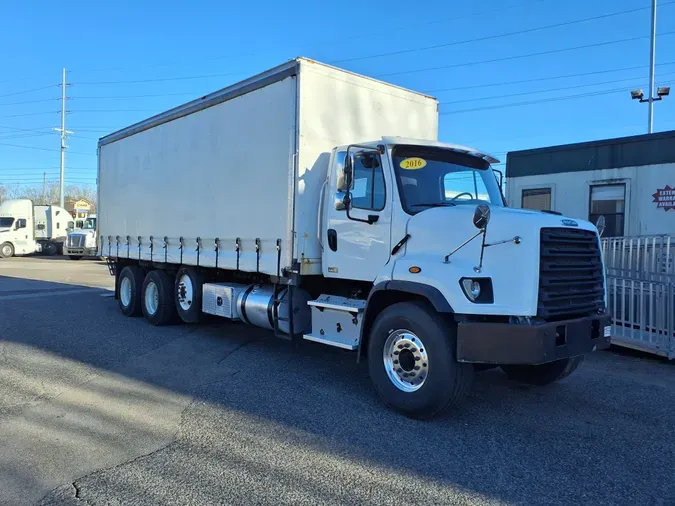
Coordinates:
357 241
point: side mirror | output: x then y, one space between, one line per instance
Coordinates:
481 216
342 201
601 224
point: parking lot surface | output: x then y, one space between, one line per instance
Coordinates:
100 409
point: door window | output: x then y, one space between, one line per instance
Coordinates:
368 191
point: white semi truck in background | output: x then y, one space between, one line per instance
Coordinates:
82 242
26 228
319 204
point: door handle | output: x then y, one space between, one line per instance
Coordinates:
332 239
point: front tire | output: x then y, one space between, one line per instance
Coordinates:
6 250
158 305
130 290
188 294
411 360
543 374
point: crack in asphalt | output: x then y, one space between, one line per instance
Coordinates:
77 484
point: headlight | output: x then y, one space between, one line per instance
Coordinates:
478 290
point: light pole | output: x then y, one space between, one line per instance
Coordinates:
661 91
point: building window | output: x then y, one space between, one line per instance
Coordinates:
537 198
609 201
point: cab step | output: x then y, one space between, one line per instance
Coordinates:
336 321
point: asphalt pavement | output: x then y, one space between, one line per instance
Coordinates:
99 409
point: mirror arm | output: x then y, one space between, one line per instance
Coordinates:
446 260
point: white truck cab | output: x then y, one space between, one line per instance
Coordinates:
82 241
26 229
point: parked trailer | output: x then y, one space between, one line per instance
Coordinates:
284 202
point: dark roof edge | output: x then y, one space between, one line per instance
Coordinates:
602 142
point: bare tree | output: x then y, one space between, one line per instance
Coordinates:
48 194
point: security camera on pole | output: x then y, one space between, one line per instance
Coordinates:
662 91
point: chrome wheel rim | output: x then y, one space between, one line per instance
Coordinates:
405 360
185 292
151 298
125 291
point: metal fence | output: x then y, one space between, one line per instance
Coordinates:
641 292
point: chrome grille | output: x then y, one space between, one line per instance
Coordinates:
76 241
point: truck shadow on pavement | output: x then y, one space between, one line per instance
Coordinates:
95 403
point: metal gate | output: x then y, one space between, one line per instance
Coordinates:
641 292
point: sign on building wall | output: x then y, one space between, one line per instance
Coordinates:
665 198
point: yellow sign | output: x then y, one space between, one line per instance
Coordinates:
413 163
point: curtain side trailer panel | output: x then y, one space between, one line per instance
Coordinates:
233 179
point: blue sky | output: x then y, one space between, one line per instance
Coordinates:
128 60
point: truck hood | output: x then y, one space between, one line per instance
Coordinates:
513 268
86 233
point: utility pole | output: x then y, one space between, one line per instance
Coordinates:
652 60
44 189
64 132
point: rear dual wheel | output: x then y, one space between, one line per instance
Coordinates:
157 298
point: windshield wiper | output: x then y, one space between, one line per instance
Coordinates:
433 204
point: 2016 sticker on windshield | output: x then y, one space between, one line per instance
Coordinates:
414 163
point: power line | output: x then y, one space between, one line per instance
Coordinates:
537 79
28 114
498 36
520 94
538 101
517 57
29 101
45 149
370 34
27 91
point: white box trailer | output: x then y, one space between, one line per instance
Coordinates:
320 204
244 166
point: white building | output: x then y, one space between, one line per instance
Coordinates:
629 180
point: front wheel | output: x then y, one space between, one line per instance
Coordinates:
543 374
6 250
411 359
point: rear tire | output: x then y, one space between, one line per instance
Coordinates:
6 250
49 249
431 380
157 302
543 374
188 294
131 284
75 257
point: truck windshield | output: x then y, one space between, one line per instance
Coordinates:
90 224
6 222
436 177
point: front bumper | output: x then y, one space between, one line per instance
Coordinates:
505 343
85 252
